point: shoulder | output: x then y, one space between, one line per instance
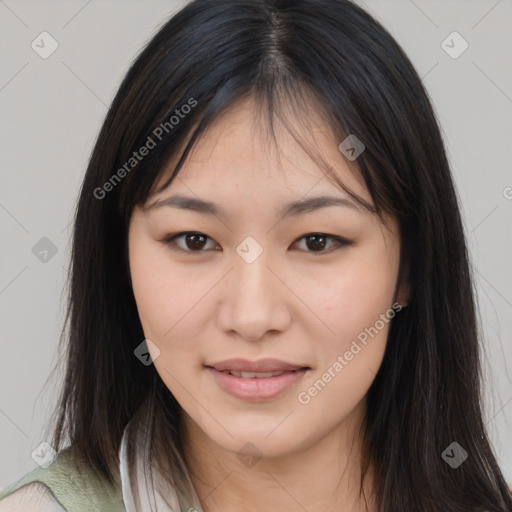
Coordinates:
72 486
32 497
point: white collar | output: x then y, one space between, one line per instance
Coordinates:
143 488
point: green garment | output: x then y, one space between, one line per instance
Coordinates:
76 491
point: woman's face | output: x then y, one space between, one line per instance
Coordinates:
249 284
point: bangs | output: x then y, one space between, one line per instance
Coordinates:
292 105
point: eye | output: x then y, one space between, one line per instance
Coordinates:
193 241
318 241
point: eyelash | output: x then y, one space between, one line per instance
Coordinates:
170 241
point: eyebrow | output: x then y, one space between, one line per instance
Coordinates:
300 207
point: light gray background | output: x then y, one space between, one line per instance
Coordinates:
51 112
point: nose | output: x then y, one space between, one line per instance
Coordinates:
255 302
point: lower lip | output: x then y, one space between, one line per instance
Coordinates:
255 389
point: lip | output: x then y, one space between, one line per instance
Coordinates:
262 365
256 389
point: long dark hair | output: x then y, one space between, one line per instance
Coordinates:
299 53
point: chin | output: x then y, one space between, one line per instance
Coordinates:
256 438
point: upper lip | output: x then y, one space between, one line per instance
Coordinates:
262 365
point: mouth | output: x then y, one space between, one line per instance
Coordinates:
256 380
252 375
261 366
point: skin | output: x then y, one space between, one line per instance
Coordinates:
294 302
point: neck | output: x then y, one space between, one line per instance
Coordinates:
322 476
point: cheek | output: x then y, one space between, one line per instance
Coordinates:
350 295
150 288
172 310
162 291
352 300
350 353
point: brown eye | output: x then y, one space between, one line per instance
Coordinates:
191 241
195 241
317 242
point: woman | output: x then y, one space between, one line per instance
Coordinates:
271 304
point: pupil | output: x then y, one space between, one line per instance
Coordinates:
316 241
195 241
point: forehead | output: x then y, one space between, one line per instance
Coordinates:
238 153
